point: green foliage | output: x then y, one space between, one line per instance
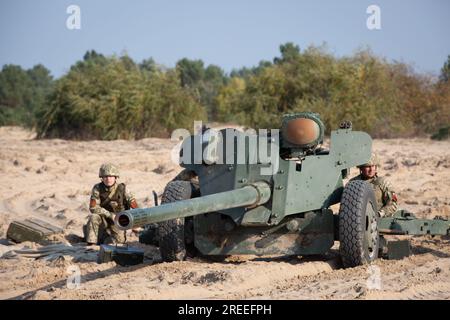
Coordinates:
229 97
148 65
442 134
191 72
445 71
22 92
385 99
203 83
113 98
245 72
289 52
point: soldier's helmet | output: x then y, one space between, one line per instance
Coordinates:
374 161
108 169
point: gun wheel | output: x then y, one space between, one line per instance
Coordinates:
358 225
172 233
150 235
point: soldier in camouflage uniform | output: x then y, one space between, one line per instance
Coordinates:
386 197
107 198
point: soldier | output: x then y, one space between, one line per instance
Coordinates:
107 198
386 197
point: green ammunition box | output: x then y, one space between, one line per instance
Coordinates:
34 230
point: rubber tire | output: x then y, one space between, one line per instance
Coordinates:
150 235
172 244
354 247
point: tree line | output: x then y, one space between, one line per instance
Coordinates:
114 97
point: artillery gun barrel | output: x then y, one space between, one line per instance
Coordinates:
251 195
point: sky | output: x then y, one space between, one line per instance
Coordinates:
227 33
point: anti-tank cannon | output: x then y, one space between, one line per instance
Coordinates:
270 194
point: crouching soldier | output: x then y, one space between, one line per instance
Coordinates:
107 198
384 194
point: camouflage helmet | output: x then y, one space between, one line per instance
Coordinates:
374 161
108 169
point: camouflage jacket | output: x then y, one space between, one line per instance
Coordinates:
106 201
385 196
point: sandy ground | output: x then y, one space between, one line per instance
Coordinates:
52 179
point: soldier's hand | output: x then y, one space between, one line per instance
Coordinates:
136 230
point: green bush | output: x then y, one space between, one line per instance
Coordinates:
442 134
22 92
384 99
112 98
115 98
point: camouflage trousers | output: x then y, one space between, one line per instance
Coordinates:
100 230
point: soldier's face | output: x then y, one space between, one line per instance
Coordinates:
369 171
109 181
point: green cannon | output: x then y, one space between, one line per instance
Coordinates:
251 195
271 193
